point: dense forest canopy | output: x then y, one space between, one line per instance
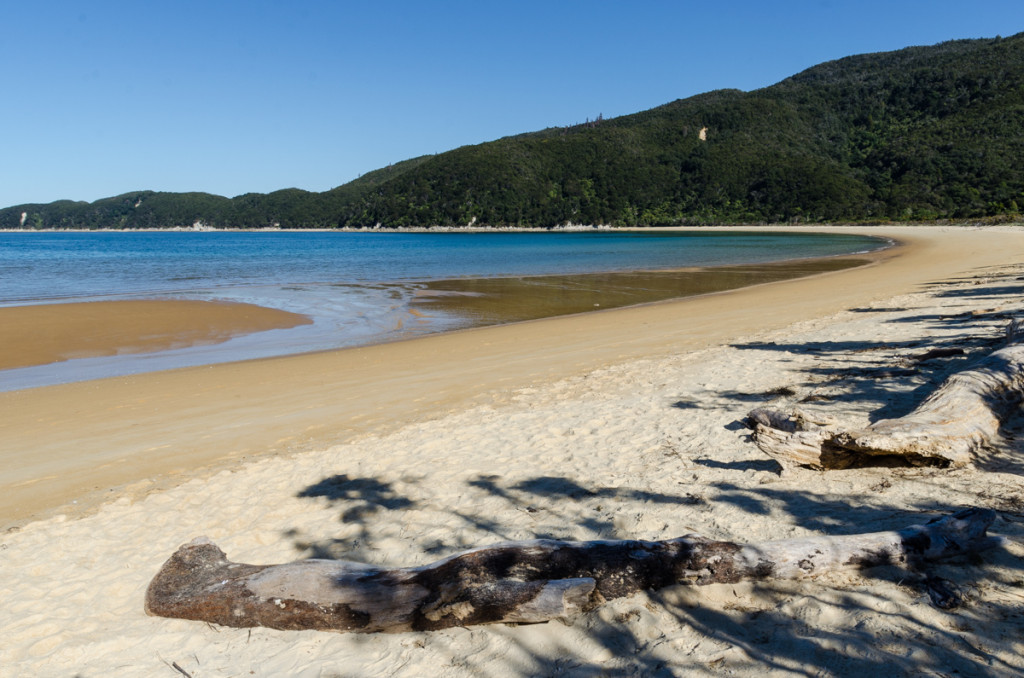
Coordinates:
922 133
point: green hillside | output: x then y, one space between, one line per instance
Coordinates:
922 133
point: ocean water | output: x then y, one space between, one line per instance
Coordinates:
357 287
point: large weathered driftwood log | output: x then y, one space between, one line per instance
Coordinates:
946 429
530 581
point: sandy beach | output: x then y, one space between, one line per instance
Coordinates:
49 333
609 425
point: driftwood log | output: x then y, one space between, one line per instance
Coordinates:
961 417
532 581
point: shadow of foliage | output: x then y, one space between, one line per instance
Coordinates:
558 487
368 495
880 309
984 291
770 626
769 465
359 498
890 378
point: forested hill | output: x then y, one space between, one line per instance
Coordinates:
918 134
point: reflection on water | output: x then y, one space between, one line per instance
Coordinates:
490 301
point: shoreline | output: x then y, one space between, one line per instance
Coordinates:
44 334
119 343
83 461
619 424
91 438
979 222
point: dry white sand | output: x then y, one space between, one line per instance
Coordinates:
639 447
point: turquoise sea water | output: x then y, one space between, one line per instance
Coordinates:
355 286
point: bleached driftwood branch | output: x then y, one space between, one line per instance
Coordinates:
959 418
530 581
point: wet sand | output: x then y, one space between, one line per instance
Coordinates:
612 425
49 333
84 442
492 301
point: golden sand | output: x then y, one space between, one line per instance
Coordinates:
48 333
610 425
77 441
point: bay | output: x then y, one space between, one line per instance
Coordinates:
360 288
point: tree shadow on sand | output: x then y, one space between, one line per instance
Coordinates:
880 378
877 621
358 499
760 626
889 379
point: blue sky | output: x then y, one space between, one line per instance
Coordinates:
228 97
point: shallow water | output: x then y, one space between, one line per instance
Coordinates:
362 288
52 265
491 301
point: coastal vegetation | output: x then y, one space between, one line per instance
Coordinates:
918 134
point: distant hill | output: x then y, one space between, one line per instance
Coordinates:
922 133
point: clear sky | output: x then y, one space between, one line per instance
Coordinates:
102 97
